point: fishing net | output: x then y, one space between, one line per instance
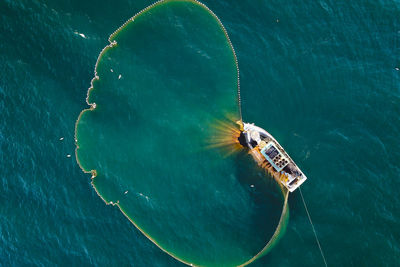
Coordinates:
163 107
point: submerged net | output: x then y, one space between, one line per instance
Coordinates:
163 89
279 231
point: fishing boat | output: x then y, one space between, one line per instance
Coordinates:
270 155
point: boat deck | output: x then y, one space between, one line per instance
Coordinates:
270 155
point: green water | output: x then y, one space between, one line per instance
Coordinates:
320 76
160 90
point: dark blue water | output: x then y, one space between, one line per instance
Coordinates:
320 76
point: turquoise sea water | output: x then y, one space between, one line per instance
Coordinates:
321 77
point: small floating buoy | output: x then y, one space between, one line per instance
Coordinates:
68 156
61 138
252 185
277 20
119 76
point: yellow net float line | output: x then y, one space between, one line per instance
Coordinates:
265 165
281 227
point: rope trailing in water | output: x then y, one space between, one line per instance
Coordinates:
312 225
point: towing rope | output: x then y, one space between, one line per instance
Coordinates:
312 225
